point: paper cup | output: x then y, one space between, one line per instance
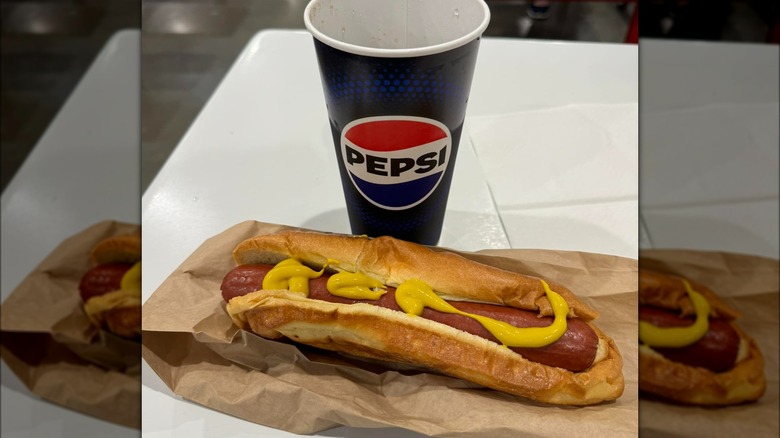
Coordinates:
396 76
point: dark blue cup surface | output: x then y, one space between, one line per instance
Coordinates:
396 125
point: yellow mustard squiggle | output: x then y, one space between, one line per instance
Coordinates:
292 275
413 296
677 337
355 286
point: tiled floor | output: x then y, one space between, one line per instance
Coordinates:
188 45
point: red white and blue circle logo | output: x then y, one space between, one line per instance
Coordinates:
396 162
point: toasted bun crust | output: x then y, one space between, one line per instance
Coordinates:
394 261
377 333
125 318
694 385
668 292
124 321
118 249
373 332
699 386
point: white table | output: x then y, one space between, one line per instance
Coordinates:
269 110
709 146
83 170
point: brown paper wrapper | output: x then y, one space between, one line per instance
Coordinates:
192 344
750 285
50 344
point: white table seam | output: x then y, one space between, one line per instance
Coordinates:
489 189
569 203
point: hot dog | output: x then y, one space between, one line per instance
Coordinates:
433 309
691 350
111 289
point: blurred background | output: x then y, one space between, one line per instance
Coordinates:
69 126
46 47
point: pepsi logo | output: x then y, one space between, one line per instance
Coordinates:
396 162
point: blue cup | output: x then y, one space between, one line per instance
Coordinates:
396 75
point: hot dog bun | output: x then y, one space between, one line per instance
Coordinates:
118 311
393 261
695 385
118 249
377 333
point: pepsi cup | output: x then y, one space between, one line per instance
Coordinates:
396 75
